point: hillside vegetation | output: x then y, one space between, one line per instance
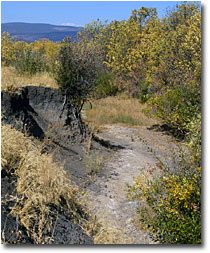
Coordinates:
155 60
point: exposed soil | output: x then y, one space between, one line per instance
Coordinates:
110 203
43 113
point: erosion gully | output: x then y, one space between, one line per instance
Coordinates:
138 150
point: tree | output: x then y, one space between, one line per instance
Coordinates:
76 71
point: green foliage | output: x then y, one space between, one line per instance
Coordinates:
19 52
144 91
30 63
177 106
155 59
143 15
170 205
76 71
194 139
20 48
93 29
174 66
105 86
48 49
158 60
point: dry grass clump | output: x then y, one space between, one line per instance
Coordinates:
109 234
41 185
94 162
11 81
117 110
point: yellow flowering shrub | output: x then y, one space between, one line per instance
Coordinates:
177 106
7 49
169 206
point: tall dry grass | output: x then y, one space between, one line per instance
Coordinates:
41 184
11 81
117 110
108 234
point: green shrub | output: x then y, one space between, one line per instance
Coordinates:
194 139
30 63
170 204
177 107
144 91
76 71
105 86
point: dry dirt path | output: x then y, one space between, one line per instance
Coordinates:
110 204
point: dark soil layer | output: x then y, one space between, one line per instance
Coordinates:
9 225
65 231
45 114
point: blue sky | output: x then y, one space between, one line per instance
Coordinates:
74 12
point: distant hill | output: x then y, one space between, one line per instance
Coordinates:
30 32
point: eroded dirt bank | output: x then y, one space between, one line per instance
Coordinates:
43 113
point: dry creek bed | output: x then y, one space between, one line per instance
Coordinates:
110 204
